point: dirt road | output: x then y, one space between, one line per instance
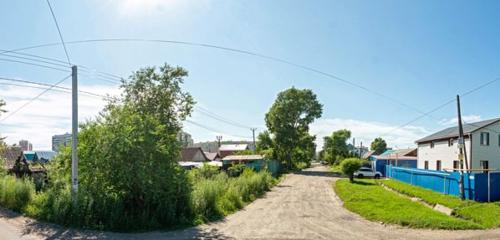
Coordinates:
303 206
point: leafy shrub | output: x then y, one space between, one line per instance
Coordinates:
206 171
351 165
221 195
15 193
236 170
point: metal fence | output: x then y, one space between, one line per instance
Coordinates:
482 187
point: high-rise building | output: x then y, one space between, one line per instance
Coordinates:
25 145
59 141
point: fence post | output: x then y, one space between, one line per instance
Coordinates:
444 184
489 185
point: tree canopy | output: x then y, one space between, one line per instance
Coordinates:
128 172
288 121
335 146
378 145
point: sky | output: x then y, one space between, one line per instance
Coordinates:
406 57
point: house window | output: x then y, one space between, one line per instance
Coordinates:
438 165
456 165
499 140
450 142
485 138
484 165
432 144
426 165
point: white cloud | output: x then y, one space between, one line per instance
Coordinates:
454 121
48 115
366 131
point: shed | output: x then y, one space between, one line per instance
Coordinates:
256 162
400 158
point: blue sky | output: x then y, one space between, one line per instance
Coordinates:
420 52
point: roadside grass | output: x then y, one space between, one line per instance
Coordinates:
428 196
336 169
373 202
486 214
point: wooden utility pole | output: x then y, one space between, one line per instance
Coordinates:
461 146
253 136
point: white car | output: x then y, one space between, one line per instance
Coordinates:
367 172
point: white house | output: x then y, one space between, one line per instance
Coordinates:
482 143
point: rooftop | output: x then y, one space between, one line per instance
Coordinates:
452 132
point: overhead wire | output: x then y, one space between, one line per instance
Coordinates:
59 31
10 114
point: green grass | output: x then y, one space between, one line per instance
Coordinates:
486 214
428 196
375 203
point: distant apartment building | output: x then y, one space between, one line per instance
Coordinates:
59 141
25 145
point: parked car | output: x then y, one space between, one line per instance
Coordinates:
367 172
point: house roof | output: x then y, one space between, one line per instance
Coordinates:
45 156
10 155
242 157
233 147
401 154
212 155
368 154
453 131
188 153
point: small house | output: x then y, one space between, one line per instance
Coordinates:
256 162
213 156
230 149
401 158
440 150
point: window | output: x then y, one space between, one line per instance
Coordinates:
432 144
499 140
485 138
438 165
426 165
450 142
484 165
456 165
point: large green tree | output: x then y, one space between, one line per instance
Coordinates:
378 145
335 146
128 172
288 121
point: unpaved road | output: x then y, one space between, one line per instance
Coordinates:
303 206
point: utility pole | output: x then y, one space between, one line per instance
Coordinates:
361 149
253 136
461 146
354 146
219 138
74 133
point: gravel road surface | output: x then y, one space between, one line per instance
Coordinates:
302 206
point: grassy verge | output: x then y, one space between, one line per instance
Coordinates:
375 203
426 195
486 214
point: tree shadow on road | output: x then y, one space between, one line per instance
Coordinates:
54 231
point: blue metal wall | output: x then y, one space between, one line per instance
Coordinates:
440 181
381 163
481 181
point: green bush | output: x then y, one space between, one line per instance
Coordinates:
351 165
236 170
221 195
15 193
206 171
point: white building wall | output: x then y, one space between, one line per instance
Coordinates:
489 153
440 151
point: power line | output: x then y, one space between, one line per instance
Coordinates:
53 86
275 59
59 31
10 114
220 118
214 130
444 105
